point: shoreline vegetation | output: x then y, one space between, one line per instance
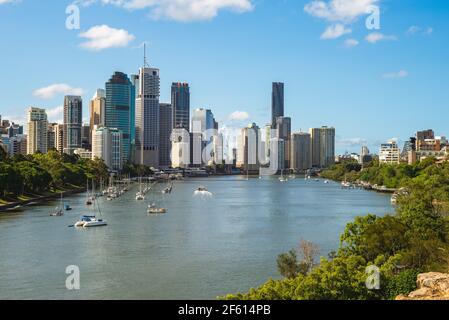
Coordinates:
397 247
29 179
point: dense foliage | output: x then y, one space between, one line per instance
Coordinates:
39 173
391 176
414 240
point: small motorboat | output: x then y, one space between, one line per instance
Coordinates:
67 207
326 181
202 191
152 209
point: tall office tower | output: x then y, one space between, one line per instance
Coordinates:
73 121
247 148
180 148
165 130
203 122
97 109
107 144
217 149
120 110
51 136
283 131
323 147
147 117
37 131
301 155
180 101
86 137
277 102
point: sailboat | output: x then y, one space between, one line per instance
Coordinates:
88 199
282 178
58 210
89 221
140 195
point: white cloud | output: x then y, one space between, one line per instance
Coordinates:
104 37
350 43
55 114
181 10
335 31
375 37
413 30
396 75
8 1
416 29
345 11
51 91
239 116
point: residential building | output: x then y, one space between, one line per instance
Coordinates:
389 153
73 121
323 146
247 149
107 144
301 155
37 130
283 131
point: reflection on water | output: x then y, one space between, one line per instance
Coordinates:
203 247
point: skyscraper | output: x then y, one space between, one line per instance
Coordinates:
37 131
283 131
323 147
203 122
147 117
180 101
73 121
97 109
301 156
247 148
277 102
107 144
120 110
165 130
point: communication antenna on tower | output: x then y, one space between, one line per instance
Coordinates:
145 61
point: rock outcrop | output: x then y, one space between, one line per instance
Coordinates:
431 286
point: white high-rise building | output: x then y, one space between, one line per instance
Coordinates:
147 85
390 153
107 144
180 148
37 131
248 148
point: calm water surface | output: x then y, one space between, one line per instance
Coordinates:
202 248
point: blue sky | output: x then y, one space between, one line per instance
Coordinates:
372 85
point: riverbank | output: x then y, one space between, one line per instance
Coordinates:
39 199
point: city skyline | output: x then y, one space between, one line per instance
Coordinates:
334 82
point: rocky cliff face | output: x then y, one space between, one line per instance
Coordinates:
431 286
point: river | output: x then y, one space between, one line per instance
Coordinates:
202 248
